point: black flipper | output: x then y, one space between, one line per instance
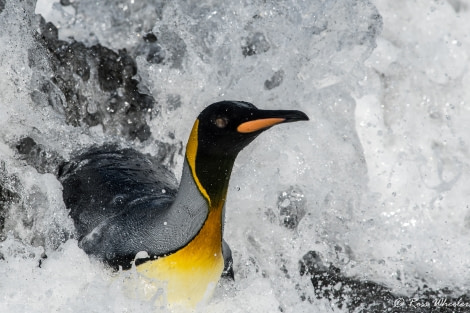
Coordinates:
228 261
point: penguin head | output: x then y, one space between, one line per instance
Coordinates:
226 127
220 132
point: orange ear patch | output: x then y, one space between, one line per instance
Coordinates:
252 126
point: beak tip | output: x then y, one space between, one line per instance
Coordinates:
300 116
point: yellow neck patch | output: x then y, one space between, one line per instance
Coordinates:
191 152
190 275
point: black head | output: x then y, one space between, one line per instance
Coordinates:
220 132
226 127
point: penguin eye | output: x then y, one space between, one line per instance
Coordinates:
221 122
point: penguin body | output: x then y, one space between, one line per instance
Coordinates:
123 203
120 203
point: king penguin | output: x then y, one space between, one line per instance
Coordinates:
122 202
